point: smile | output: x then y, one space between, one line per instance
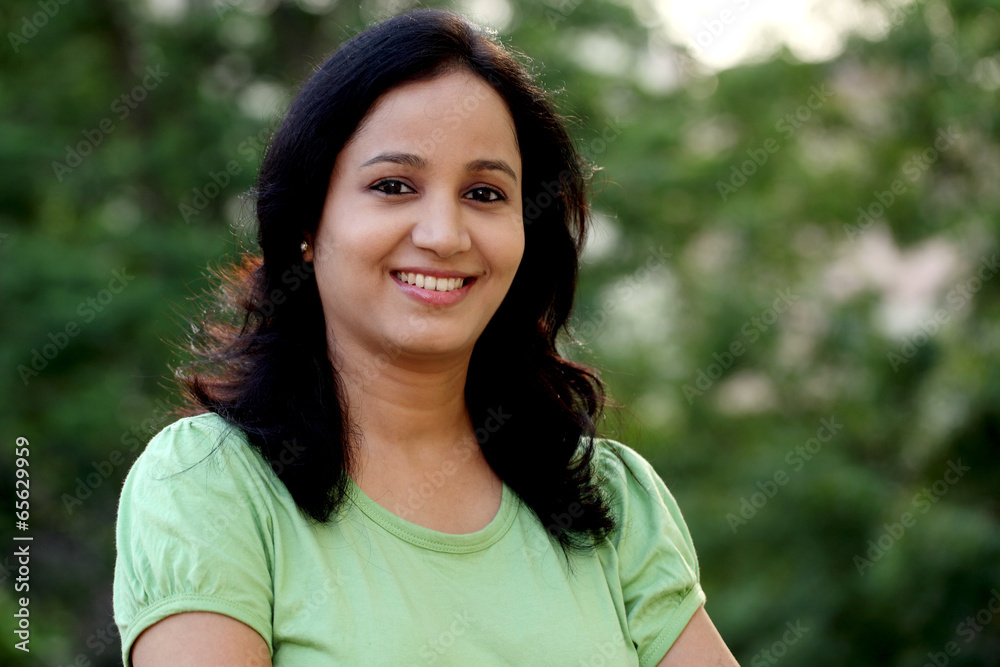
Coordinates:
431 283
436 291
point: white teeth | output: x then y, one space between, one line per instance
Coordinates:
431 282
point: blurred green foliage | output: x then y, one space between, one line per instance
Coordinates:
808 380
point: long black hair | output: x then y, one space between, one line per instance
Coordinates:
266 371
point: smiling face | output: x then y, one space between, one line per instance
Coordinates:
422 232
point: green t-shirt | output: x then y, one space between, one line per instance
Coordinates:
212 529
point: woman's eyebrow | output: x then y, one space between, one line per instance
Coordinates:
492 165
411 160
408 159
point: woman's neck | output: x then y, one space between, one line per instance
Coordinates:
410 410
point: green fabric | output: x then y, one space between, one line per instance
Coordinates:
211 528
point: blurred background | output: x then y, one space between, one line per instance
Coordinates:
791 286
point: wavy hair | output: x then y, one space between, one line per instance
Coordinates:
261 361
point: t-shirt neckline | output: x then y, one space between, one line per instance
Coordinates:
435 540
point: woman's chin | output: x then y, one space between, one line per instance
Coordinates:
441 348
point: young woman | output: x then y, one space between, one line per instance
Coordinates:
387 461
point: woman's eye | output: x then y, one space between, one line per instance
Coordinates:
485 194
392 187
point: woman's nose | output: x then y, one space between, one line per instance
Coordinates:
441 226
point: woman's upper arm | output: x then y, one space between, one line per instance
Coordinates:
657 562
699 645
193 535
200 639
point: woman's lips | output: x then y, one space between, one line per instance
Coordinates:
434 297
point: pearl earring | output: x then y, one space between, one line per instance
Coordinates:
304 246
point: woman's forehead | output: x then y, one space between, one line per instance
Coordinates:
430 113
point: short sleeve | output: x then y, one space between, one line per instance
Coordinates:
657 563
193 533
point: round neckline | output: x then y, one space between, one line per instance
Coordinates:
435 540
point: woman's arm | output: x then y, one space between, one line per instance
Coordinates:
699 645
200 639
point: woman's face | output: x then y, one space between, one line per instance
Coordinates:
421 233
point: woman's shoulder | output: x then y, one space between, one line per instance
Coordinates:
195 530
619 464
615 450
191 472
635 490
194 441
194 434
656 561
